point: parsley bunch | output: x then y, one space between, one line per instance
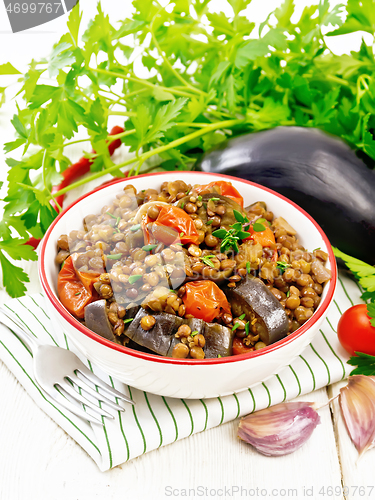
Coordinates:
209 80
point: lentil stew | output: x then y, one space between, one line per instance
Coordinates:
186 271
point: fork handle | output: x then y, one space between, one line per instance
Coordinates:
32 342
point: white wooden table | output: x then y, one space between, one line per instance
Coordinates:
39 461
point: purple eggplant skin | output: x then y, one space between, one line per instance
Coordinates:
317 171
159 338
96 318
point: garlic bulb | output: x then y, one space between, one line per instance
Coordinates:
281 429
357 402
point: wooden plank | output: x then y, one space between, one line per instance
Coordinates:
37 458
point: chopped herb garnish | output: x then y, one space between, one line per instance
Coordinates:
188 191
114 256
248 268
199 198
147 248
135 228
257 227
205 205
193 334
282 265
143 190
118 221
182 204
207 260
128 320
214 199
288 293
315 249
113 216
209 222
247 328
78 293
243 316
219 355
182 235
134 278
236 325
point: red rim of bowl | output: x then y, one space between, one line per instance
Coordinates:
163 359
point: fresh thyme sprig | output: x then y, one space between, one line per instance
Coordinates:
234 234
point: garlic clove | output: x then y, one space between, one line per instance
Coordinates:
281 429
357 402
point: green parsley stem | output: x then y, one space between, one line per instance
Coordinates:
148 154
171 68
122 113
141 82
53 196
112 138
135 92
332 78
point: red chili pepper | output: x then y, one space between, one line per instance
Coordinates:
73 172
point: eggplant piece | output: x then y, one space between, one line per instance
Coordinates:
96 318
159 338
251 297
219 340
196 325
132 345
317 171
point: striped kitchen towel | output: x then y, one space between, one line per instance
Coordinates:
156 421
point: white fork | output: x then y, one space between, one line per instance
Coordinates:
56 368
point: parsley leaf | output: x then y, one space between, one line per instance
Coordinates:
363 272
365 364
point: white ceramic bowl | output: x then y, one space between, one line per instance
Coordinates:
184 378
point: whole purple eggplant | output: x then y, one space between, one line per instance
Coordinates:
317 171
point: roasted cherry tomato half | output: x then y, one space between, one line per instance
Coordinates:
224 188
266 238
355 332
204 300
75 289
176 219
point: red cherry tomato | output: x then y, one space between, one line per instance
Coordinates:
179 221
224 188
355 332
76 289
204 300
239 347
266 238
